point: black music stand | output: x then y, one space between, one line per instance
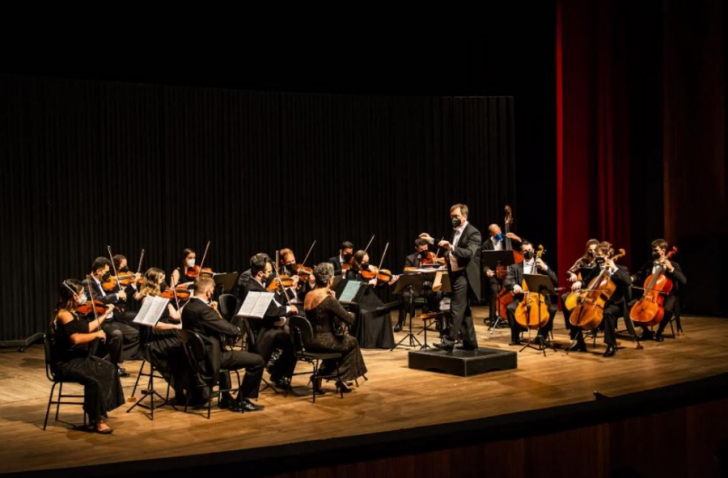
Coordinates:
412 283
541 284
493 259
227 281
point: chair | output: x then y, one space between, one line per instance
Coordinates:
303 334
228 304
194 348
57 379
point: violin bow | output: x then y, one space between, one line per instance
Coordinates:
113 266
370 243
202 262
95 345
307 254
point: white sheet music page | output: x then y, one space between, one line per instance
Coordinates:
151 311
256 304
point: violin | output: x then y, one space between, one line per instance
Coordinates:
649 310
113 281
382 275
197 270
589 311
301 270
179 293
533 312
432 259
286 281
86 309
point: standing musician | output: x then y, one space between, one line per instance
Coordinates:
414 260
613 308
346 252
577 271
673 272
272 332
179 275
530 265
462 257
116 330
71 339
496 242
198 316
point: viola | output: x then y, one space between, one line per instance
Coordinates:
86 309
650 310
589 311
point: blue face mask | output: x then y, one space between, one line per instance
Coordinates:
499 237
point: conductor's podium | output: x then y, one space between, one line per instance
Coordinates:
463 363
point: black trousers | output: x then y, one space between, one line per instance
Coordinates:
494 288
129 338
516 327
611 313
277 338
669 306
460 313
253 365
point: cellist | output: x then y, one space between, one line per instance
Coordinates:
673 272
613 308
530 265
497 242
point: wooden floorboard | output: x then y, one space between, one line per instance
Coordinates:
394 398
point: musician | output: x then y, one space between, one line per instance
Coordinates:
613 308
70 340
346 252
580 267
514 278
121 267
673 272
462 257
179 275
198 316
115 330
413 261
496 242
287 267
272 332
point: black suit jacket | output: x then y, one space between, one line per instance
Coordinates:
413 260
467 253
515 277
274 311
337 265
677 276
620 278
99 294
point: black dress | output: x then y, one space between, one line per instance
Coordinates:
373 327
102 386
322 319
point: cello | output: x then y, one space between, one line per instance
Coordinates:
589 310
533 311
649 309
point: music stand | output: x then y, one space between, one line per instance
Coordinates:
412 283
444 288
541 284
226 280
491 260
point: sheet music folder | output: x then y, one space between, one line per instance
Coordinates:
255 305
151 311
348 290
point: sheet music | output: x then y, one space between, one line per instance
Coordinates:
349 292
428 270
151 311
256 304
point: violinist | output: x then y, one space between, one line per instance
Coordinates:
271 332
185 273
113 326
613 308
127 284
198 316
673 272
287 268
496 242
462 257
70 339
346 253
414 260
513 282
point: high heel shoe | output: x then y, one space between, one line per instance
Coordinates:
341 386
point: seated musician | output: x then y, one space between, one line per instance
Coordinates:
673 272
322 310
287 267
414 260
496 242
114 327
121 266
271 332
530 265
346 252
198 316
577 271
613 308
71 338
180 274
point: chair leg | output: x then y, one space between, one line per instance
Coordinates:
58 403
314 379
48 409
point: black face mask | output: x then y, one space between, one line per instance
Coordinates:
600 260
655 255
528 255
163 286
124 269
591 253
424 253
365 266
347 257
456 222
106 277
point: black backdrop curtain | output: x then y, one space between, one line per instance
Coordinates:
91 164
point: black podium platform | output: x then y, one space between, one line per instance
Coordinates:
464 363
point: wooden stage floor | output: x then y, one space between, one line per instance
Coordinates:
394 398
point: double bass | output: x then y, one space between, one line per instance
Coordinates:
590 302
502 270
533 311
649 310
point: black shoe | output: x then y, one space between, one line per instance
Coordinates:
578 347
341 386
514 342
319 391
122 372
610 351
466 347
398 327
284 383
659 337
647 335
245 405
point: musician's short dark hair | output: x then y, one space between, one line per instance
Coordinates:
347 245
323 273
525 243
421 242
258 262
661 243
100 263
